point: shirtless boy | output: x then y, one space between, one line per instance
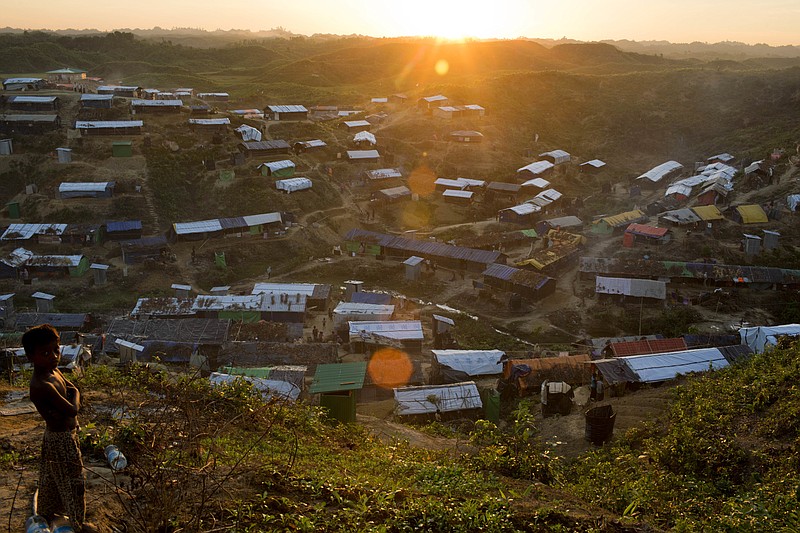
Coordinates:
61 483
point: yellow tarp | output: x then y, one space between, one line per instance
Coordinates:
622 218
708 212
752 214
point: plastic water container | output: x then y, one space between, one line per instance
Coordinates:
61 525
36 524
115 457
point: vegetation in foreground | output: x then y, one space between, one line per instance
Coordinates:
725 458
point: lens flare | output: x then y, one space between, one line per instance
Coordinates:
389 368
421 181
442 67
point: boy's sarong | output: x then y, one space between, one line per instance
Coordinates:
61 484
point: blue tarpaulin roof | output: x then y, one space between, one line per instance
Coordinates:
371 298
124 225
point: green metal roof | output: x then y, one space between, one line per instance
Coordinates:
339 377
530 233
259 372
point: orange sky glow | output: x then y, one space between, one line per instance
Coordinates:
767 21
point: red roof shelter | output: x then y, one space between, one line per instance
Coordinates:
644 347
660 235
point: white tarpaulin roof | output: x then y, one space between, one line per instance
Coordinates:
451 184
678 188
560 156
664 366
210 121
441 398
26 231
85 186
306 289
363 154
156 103
293 184
760 337
249 302
525 209
537 167
97 124
356 311
269 388
278 165
248 133
644 288
390 329
792 200
472 362
451 193
656 173
365 136
540 183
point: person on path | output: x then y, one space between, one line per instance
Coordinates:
269 271
593 388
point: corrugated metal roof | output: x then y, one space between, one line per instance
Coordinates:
356 123
641 347
564 222
43 296
503 186
97 97
363 308
678 188
434 98
450 193
550 194
646 231
206 95
413 261
364 297
90 125
287 108
656 173
86 186
163 306
752 214
156 103
32 99
313 143
363 154
396 192
277 144
232 223
339 377
666 366
517 276
447 108
437 398
451 184
265 218
380 100
474 107
596 163
537 167
423 248
118 88
466 133
202 226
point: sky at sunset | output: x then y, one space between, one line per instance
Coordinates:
764 21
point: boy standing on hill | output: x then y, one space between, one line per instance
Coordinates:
61 484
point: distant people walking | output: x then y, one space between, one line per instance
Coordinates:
269 272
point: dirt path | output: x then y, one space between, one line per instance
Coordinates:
565 434
389 432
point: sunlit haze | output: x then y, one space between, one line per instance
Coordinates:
769 21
